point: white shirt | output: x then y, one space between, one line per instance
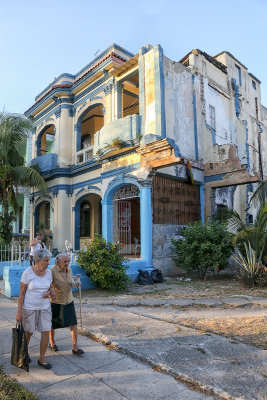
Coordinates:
37 285
38 246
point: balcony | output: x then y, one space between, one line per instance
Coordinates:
84 155
46 162
126 129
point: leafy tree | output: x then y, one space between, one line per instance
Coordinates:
103 263
13 172
202 247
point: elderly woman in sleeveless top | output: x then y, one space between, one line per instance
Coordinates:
63 311
34 305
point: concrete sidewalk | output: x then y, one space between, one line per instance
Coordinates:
232 369
101 374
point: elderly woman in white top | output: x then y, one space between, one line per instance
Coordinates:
33 304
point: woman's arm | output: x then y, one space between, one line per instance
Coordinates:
53 293
23 288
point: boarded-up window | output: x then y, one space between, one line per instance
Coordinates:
175 201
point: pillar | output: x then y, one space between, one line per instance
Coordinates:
26 214
146 225
107 220
118 99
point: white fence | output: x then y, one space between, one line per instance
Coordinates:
14 254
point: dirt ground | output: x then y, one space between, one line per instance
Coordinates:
248 329
218 287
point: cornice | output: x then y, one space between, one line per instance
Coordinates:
96 67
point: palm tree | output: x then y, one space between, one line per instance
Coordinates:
14 129
260 195
255 234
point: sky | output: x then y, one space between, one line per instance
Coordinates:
40 39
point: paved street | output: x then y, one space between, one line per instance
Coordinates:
101 374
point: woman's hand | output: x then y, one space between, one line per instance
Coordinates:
19 316
46 294
53 293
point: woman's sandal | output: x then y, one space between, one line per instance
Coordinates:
53 348
46 365
78 352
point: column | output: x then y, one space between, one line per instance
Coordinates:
62 220
118 99
146 225
107 220
26 214
108 104
202 205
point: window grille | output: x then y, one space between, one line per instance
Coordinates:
126 192
212 117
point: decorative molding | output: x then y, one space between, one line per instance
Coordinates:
118 86
157 154
91 187
76 99
58 112
83 105
54 191
108 89
69 191
79 191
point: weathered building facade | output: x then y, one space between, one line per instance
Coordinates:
116 143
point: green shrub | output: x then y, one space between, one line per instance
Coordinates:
104 264
202 247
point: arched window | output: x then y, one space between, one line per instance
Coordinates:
85 219
46 141
91 121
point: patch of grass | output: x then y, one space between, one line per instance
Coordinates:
250 330
11 389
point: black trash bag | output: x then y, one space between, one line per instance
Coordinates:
19 352
156 275
144 278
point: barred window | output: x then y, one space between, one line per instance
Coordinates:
212 117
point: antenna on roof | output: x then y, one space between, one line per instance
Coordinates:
95 54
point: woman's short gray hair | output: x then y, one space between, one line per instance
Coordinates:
40 255
61 255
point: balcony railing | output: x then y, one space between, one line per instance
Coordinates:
125 129
84 155
46 162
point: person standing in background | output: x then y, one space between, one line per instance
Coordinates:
36 244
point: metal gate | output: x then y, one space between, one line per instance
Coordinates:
122 217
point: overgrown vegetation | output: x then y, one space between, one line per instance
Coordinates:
104 263
251 268
254 234
202 247
10 389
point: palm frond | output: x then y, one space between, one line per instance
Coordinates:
260 195
261 218
12 199
28 176
235 222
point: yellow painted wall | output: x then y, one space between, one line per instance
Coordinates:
149 93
